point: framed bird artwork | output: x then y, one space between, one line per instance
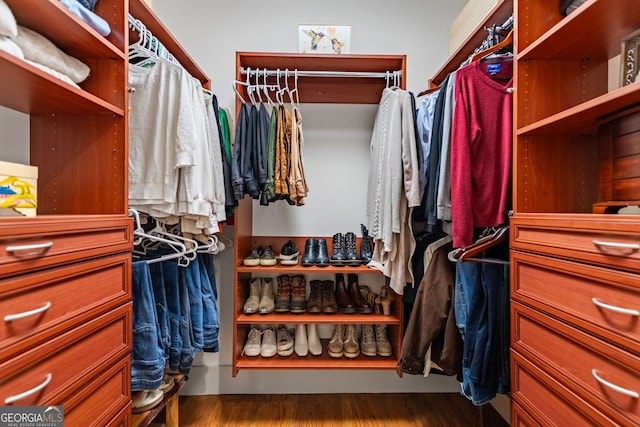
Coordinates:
332 39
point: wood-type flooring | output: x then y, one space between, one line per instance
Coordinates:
335 410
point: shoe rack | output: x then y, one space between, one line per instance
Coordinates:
352 90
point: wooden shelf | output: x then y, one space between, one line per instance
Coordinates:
323 361
308 318
169 402
341 90
79 39
583 118
33 91
594 31
299 269
500 13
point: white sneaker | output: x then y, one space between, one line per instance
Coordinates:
285 341
268 348
252 346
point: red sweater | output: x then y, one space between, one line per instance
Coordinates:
480 148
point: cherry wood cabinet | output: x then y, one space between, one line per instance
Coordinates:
348 89
575 284
65 274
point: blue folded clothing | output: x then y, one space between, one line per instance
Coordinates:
78 8
89 4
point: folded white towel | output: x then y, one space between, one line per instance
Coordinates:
38 48
9 46
8 26
54 73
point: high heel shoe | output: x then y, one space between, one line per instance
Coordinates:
385 299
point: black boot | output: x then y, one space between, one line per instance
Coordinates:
337 254
322 258
310 253
352 258
366 246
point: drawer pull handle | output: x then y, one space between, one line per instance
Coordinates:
612 386
28 393
10 317
617 245
33 247
620 310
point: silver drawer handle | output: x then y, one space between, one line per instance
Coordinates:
617 388
33 247
620 310
28 393
10 317
617 245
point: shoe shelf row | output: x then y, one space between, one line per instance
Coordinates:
323 361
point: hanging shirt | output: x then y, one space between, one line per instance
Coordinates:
480 148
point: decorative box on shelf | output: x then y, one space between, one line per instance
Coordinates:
18 189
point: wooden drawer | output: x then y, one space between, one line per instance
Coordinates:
100 402
30 244
68 360
59 299
609 240
575 359
586 296
539 400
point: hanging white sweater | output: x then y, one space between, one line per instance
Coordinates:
394 187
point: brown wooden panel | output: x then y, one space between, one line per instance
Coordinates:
535 18
103 399
74 293
95 181
555 174
626 145
566 290
69 358
63 239
570 356
576 237
626 167
626 125
626 189
545 401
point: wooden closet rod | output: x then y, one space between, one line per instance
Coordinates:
261 72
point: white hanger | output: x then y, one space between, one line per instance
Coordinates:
140 235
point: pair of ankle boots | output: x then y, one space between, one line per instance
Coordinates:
349 298
344 251
315 253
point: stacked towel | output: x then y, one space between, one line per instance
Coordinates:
8 45
38 48
8 26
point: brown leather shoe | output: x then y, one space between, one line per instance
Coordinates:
345 303
314 305
362 306
329 303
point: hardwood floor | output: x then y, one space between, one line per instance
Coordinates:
336 410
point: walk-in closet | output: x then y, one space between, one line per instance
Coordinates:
337 214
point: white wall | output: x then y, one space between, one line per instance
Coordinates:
336 150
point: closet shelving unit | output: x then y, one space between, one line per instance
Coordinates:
312 89
70 264
575 287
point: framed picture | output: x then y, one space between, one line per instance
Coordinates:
332 39
630 59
